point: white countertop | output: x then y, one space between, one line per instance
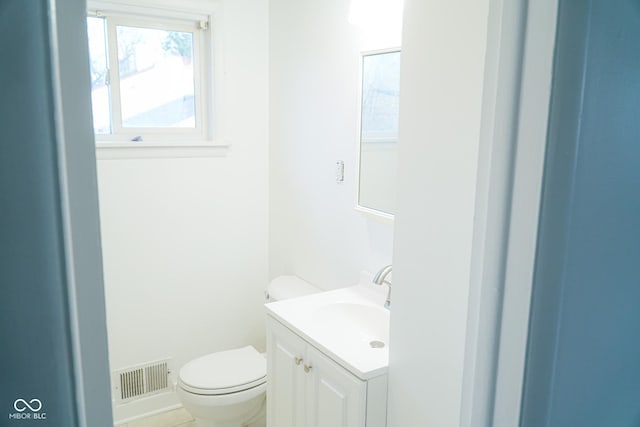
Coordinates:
342 324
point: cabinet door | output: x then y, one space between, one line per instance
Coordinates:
285 377
335 398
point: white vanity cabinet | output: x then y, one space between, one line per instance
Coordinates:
305 388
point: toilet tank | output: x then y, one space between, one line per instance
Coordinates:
284 287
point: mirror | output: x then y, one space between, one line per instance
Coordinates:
379 107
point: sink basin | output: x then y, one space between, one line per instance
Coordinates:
354 324
350 325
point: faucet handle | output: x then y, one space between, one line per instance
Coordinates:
382 274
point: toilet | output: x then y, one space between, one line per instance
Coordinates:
227 388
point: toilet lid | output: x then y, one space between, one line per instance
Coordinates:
224 372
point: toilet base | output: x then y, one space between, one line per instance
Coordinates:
231 410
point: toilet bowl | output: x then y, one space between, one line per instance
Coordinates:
227 388
224 389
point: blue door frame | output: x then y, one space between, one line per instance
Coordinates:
583 353
53 354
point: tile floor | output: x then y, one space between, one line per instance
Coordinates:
176 418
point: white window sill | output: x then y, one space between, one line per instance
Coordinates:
151 150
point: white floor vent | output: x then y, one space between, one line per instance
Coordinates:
141 381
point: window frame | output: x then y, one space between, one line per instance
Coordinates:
206 54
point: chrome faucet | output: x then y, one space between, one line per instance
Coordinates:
380 278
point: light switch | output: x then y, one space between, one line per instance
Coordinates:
340 171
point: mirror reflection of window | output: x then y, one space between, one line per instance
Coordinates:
379 130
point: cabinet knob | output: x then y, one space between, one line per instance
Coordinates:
307 368
298 360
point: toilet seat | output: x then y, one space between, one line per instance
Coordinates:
225 372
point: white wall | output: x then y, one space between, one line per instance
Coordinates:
378 163
441 94
315 231
185 239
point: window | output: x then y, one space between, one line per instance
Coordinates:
149 77
380 96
